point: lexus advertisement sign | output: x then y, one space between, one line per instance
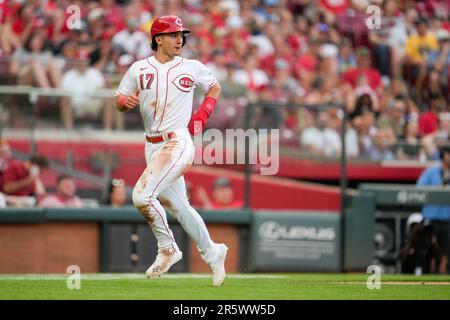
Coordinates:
295 242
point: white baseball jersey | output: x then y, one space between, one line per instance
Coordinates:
166 90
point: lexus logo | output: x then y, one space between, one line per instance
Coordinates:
271 230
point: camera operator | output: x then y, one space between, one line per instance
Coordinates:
439 215
421 251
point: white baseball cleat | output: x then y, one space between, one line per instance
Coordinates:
164 260
218 266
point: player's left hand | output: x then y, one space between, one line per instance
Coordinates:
201 115
197 123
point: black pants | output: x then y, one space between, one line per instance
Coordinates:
441 229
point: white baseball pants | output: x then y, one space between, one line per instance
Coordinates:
162 183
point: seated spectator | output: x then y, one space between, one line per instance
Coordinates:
9 41
353 23
419 45
117 193
84 80
2 200
394 117
398 89
307 63
428 120
417 48
65 196
324 90
351 142
218 65
24 19
421 251
442 134
439 60
363 68
433 141
321 139
363 99
282 86
222 196
437 66
133 40
22 178
346 56
35 66
381 149
363 123
5 159
410 146
328 57
250 75
389 40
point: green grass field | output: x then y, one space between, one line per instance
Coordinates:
237 286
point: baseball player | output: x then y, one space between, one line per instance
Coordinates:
163 86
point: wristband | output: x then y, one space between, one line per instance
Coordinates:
122 101
208 105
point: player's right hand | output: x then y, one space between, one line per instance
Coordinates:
131 101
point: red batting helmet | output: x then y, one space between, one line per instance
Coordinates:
167 24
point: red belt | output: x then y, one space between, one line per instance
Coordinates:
160 138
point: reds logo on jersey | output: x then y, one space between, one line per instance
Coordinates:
184 82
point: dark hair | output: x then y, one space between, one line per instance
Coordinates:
29 39
222 182
444 149
114 183
421 20
62 177
154 45
39 160
317 83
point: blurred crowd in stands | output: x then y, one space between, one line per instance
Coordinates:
393 79
21 185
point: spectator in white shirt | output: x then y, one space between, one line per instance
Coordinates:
321 139
132 40
250 75
218 65
83 80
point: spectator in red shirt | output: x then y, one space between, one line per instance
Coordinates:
335 6
8 39
5 159
22 178
428 120
363 68
65 196
222 196
26 20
